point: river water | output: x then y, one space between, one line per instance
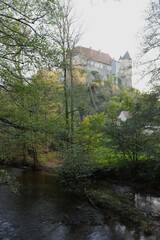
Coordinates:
43 210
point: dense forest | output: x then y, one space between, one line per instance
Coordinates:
50 113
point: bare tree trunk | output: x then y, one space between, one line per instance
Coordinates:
66 99
72 98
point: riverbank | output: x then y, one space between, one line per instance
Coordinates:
141 175
145 179
117 202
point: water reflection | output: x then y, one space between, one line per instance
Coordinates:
45 211
122 233
149 205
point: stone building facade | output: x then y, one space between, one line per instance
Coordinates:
125 71
96 61
92 60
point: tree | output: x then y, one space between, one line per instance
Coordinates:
22 44
36 36
150 59
137 137
20 39
30 123
65 36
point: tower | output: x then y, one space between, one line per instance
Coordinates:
125 71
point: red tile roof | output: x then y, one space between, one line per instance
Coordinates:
93 55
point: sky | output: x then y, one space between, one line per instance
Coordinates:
112 26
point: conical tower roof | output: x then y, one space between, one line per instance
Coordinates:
127 56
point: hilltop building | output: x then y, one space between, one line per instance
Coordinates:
125 71
96 61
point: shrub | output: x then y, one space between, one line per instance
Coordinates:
77 167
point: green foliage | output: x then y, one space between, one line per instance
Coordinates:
137 137
29 117
6 178
77 167
104 157
91 134
113 107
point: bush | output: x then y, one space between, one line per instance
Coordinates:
77 167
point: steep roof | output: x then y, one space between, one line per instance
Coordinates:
126 56
93 55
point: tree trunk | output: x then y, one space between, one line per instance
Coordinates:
35 158
66 100
92 98
24 151
72 98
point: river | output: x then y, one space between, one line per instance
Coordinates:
43 210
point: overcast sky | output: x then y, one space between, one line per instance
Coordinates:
111 26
